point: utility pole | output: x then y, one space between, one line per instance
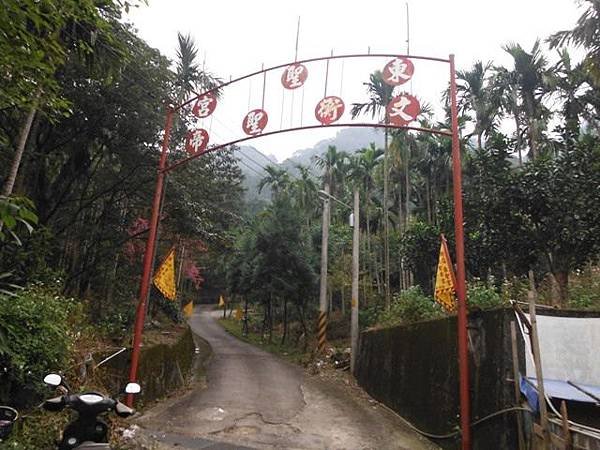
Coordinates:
322 323
354 312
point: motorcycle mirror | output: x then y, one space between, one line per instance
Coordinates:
53 379
133 388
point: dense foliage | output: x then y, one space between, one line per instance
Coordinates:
82 106
531 177
37 327
82 109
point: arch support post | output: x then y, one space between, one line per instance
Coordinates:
140 315
461 290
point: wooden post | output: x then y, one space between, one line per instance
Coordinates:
515 358
565 426
537 360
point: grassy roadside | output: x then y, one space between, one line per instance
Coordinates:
286 351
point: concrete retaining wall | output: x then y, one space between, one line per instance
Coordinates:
413 369
163 368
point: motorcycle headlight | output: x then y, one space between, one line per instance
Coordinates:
91 399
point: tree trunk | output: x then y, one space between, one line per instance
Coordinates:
377 275
304 328
23 135
370 258
245 322
285 322
428 200
532 142
515 112
270 320
561 277
263 332
407 185
386 225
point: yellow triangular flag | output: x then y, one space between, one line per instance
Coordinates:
221 301
445 283
238 314
188 309
164 278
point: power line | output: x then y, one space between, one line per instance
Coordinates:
248 157
244 163
252 160
252 168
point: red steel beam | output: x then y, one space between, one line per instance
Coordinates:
140 315
461 292
306 127
322 58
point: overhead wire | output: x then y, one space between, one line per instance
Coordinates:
457 432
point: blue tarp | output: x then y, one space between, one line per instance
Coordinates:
557 389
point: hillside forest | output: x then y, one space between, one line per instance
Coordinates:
82 106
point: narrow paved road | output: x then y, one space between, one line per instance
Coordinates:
256 400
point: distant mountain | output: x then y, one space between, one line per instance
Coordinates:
251 159
251 162
347 139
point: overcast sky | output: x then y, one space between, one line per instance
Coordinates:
238 36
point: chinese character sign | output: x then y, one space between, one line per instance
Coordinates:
329 110
398 71
255 122
294 76
402 110
205 105
196 141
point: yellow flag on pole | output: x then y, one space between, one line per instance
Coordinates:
164 278
445 282
221 301
238 314
188 309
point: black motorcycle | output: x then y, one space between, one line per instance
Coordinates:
88 431
8 416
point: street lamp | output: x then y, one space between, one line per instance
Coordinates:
355 224
324 194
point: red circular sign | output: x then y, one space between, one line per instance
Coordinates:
398 71
329 109
403 109
196 141
205 105
294 76
255 122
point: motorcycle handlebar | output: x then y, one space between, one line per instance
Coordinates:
88 403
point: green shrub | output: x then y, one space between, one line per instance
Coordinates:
35 335
483 297
585 296
368 316
411 305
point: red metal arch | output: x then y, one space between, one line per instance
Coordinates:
309 60
458 217
306 127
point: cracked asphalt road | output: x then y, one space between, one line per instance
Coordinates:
258 401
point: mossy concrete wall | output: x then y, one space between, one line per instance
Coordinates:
413 369
163 368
